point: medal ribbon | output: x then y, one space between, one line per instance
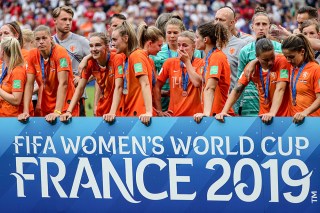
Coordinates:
43 68
206 64
294 83
185 76
124 72
265 87
4 72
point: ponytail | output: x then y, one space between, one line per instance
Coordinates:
11 47
217 33
126 29
146 33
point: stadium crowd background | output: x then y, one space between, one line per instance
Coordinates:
93 15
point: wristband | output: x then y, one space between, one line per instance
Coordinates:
57 111
69 111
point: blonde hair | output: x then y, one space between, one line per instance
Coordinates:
176 22
126 29
45 29
146 33
102 36
188 34
11 48
56 12
28 36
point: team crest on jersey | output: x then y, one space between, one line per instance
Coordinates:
52 66
305 75
232 51
72 48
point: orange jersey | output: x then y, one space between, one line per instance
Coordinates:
13 82
105 78
139 64
59 61
119 63
181 105
25 54
308 84
219 68
278 73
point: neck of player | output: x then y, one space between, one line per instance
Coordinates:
102 61
45 53
62 36
208 48
173 47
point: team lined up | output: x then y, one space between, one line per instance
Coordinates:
197 72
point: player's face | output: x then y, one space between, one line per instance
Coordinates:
186 45
113 25
311 32
200 44
155 47
295 58
5 31
266 59
98 48
63 22
261 25
43 40
172 33
120 43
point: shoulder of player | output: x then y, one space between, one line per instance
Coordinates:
312 67
33 52
246 49
198 61
19 70
172 60
138 54
276 45
58 50
218 55
79 37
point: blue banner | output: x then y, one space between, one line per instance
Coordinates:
174 165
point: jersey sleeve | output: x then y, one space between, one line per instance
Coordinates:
87 72
215 66
118 65
283 70
62 60
140 65
244 80
18 79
